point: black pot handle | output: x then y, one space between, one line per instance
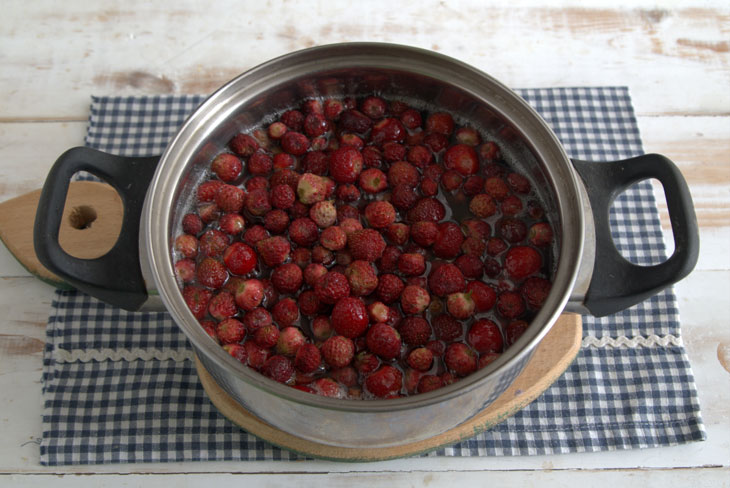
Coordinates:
617 283
115 277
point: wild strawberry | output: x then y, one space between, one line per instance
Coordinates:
226 166
259 163
323 213
393 152
428 209
428 383
329 388
440 123
420 156
313 272
415 331
249 294
285 176
462 158
274 250
186 245
285 312
362 278
222 305
383 340
451 180
535 210
185 270
403 173
496 246
446 327
350 225
230 198
473 185
294 143
276 221
282 197
211 273
290 340
496 187
446 279
366 362
192 224
389 288
380 214
378 312
321 328
256 183
414 299
487 358
347 193
350 317
257 355
489 151
276 130
240 258
471 266
332 108
540 234
257 318
411 264
346 376
312 188
460 359
384 382
511 205
518 183
255 234
373 107
514 330
244 145
397 233
287 278
484 336
213 243
303 232
424 233
449 240
283 161
315 124
345 164
197 299
338 351
322 255
366 244
333 238
476 228
388 130
460 305
208 189
372 181
483 295
257 202
535 291
420 359
232 224
482 205
355 121
522 261
411 118
332 287
403 197
278 368
293 119
236 351
266 336
230 331
510 305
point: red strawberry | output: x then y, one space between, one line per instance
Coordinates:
187 245
420 359
411 264
518 183
470 265
321 328
372 181
535 291
461 158
287 278
366 244
266 336
460 305
482 205
451 180
383 340
212 243
222 305
411 118
197 299
496 187
346 376
312 188
240 258
257 202
322 255
373 107
255 234
237 351
276 221
295 143
415 331
303 232
308 358
514 330
355 121
411 377
230 331
440 123
332 287
282 197
414 299
333 238
332 108
362 278
446 327
397 233
257 355
511 205
290 340
211 273
403 173
323 213
446 279
185 270
484 336
347 193
380 214
403 197
232 224
285 312
510 305
540 234
496 246
473 185
274 250
428 209
487 358
460 359
350 317
522 261
249 294
420 156
338 351
278 368
192 224
483 295
208 189
315 124
388 130
226 166
259 163
473 246
329 388
424 233
476 228
257 183
428 383
244 145
230 198
257 318
345 164
489 151
384 382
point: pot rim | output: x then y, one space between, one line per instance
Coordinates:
156 228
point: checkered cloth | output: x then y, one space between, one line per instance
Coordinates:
119 387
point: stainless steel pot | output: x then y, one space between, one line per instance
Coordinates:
589 275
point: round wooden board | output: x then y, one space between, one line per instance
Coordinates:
552 357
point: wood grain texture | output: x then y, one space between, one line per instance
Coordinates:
551 358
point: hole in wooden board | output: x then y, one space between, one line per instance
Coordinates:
92 219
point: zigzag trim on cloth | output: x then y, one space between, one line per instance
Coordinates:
136 354
632 342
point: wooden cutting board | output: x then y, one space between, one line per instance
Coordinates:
552 357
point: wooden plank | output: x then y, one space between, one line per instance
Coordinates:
158 49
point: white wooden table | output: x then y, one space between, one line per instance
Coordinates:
675 59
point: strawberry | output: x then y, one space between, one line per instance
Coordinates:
282 197
192 224
312 188
350 225
347 193
518 183
338 351
489 151
514 330
476 228
446 279
322 255
535 291
315 162
511 205
411 264
333 238
366 362
362 278
510 305
411 377
230 331
256 183
483 295
346 376
308 358
473 185
428 209
355 121
197 299
460 305
424 233
403 173
266 336
287 278
244 145
276 221
332 287
496 187
471 266
462 158
522 261
323 213
249 294
440 123
232 224
451 180
496 246
414 299
415 331
274 250
372 157
328 387
374 107
212 243
473 246
460 359
378 312
420 359
420 156
484 336
259 163
315 124
277 130
186 245
257 318
303 232
345 164
211 273
380 214
366 244
313 272
294 143
278 368
482 205
383 340
350 317
226 166
257 355
372 181
257 202
285 176
428 383
239 258
285 312
403 197
487 358
293 119
255 234
397 233
446 327
222 305
208 189
388 130
411 118
321 328
384 382
237 351
332 108
290 340
185 270
540 234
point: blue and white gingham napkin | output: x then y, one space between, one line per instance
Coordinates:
120 387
